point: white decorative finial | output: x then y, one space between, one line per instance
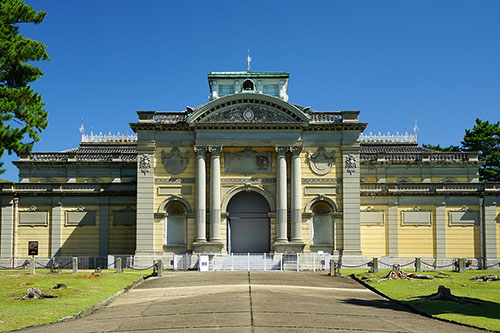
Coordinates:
82 131
249 60
415 129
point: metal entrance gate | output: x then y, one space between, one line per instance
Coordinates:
248 223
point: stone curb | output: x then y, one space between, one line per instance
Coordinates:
91 309
410 307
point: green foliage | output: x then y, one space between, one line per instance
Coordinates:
439 148
485 139
22 116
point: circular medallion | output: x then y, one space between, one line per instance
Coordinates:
248 114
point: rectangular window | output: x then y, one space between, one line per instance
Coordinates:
176 230
271 89
226 89
322 229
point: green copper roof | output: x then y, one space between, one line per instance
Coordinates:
226 75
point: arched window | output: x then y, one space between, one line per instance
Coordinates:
176 224
248 85
322 223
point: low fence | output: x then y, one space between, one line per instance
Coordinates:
253 262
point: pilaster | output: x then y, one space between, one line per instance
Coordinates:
351 200
103 226
145 197
392 221
440 227
7 230
490 235
56 224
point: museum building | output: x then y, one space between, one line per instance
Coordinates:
250 172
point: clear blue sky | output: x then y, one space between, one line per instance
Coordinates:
438 61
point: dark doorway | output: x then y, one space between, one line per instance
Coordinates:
248 223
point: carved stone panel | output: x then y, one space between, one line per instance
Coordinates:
248 114
175 162
33 217
321 161
125 217
248 161
416 216
464 216
81 218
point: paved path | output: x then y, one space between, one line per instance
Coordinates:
252 302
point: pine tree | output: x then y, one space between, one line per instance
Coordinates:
485 139
22 116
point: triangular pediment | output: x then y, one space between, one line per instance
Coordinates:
248 108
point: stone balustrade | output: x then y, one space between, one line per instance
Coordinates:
427 189
424 157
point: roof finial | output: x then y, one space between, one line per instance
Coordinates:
82 130
249 60
415 129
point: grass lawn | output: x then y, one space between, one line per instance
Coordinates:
486 315
82 292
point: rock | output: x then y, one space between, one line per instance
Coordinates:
60 286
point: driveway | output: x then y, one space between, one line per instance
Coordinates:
251 302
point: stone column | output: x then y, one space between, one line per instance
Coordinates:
201 192
296 188
215 193
281 197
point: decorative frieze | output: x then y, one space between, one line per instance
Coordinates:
175 180
321 180
248 180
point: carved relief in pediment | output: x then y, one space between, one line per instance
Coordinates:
175 162
321 161
248 114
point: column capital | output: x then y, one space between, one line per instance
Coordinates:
281 150
215 150
200 150
295 150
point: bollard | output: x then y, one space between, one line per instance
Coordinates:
332 267
374 266
418 265
160 268
118 265
32 266
460 265
75 265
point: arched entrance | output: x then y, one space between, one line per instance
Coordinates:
248 223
